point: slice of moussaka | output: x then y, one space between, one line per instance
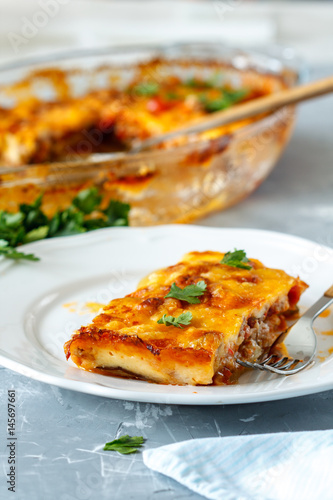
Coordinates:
186 323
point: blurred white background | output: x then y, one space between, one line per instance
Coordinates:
30 27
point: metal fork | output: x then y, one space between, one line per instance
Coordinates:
300 341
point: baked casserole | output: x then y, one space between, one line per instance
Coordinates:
187 323
53 119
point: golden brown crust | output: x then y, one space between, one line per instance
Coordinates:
240 310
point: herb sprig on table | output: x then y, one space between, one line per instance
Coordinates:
30 223
125 444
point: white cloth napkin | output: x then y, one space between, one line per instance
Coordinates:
282 466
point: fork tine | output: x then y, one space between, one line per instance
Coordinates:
287 369
267 360
300 340
280 362
248 364
292 364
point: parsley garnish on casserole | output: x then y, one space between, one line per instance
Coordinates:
166 339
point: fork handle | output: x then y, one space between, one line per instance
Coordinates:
318 307
329 292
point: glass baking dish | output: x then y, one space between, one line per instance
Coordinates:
179 182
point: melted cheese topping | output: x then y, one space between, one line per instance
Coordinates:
108 119
127 333
232 295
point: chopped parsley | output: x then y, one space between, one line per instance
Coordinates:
213 82
125 444
172 96
87 200
117 213
84 214
237 258
189 293
148 89
212 105
183 319
226 99
196 83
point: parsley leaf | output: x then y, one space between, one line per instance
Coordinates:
11 253
212 82
196 83
171 96
92 224
237 258
87 200
212 105
12 221
33 215
11 229
146 88
117 213
68 222
125 444
189 293
36 234
235 95
226 99
183 319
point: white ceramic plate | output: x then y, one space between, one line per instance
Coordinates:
42 303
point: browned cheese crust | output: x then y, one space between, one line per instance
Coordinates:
241 311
